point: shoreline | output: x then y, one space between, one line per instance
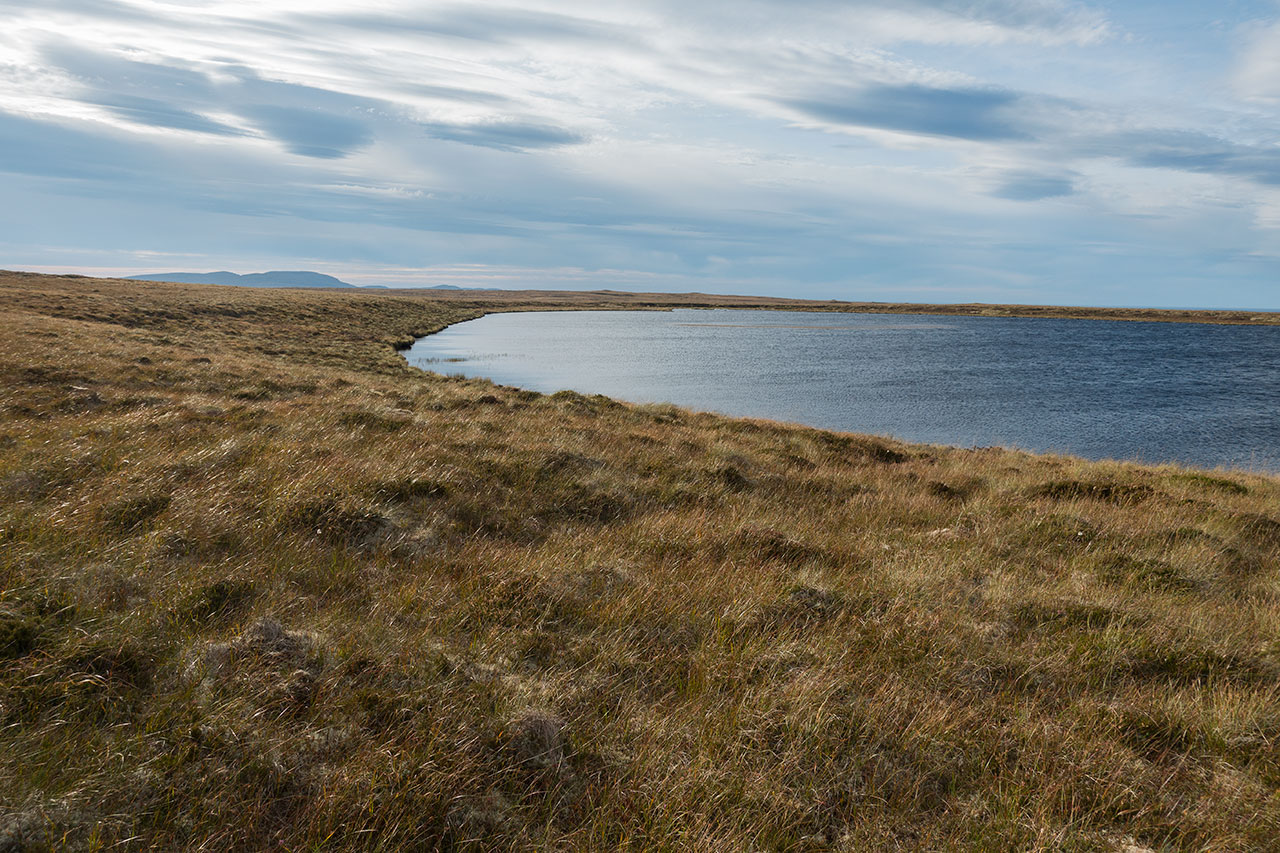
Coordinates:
611 300
497 300
1258 471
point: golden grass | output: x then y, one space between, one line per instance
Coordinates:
264 586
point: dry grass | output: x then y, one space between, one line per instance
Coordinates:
262 585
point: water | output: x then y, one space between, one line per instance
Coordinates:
1198 394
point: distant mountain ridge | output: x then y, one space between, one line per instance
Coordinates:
275 278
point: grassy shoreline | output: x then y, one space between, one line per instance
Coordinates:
572 300
1254 469
264 585
528 300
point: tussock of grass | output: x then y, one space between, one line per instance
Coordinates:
262 585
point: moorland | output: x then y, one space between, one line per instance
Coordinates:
263 585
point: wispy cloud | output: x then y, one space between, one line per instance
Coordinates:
495 24
504 136
1257 73
1186 151
969 113
34 147
1025 185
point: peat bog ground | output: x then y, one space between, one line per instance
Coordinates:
262 585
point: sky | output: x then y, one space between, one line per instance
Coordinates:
1029 151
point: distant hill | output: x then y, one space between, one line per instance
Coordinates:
275 278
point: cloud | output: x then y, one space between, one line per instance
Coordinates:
49 149
1034 186
307 120
505 136
149 111
961 113
1069 21
495 24
309 132
1257 74
454 93
108 9
110 73
145 93
964 22
1188 151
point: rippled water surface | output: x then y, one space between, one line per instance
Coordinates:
1200 394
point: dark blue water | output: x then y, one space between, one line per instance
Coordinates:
1198 394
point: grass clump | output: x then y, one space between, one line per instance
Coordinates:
1221 484
218 600
18 634
262 585
1111 492
329 519
410 488
128 514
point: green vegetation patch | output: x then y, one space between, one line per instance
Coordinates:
1221 484
1098 490
129 514
1260 528
335 522
410 488
1144 573
220 599
18 633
